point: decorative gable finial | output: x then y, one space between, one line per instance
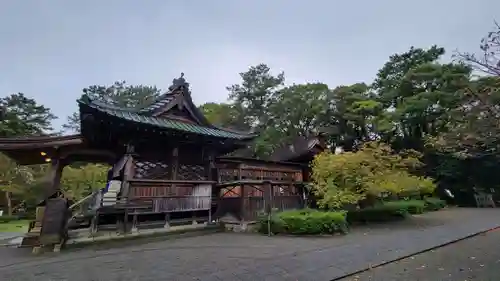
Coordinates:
179 82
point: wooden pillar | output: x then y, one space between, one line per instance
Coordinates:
243 209
175 163
209 175
128 174
54 176
209 164
268 197
52 180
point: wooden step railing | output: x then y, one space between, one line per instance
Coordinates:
90 202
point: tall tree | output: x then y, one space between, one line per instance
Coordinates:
23 116
354 109
417 93
224 115
475 128
256 93
297 110
252 99
488 61
389 77
119 94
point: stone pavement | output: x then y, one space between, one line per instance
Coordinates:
474 259
7 237
232 257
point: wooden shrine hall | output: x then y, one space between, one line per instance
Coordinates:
167 168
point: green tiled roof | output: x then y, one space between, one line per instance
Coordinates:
161 122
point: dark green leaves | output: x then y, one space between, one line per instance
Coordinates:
23 116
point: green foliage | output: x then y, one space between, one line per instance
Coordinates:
80 182
224 115
252 99
413 207
119 94
23 116
434 204
375 169
378 213
256 93
474 129
7 219
14 225
305 222
14 180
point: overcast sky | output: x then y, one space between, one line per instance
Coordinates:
51 49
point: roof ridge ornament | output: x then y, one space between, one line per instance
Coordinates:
179 82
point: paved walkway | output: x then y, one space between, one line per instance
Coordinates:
7 237
233 257
474 259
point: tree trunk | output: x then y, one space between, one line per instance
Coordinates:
9 203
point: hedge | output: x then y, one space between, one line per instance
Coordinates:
313 222
6 219
434 204
413 207
379 213
305 222
420 206
395 210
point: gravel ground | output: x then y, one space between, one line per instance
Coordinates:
474 259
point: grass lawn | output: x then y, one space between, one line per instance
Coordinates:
15 226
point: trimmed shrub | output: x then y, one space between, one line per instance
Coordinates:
378 213
413 207
305 222
6 219
434 204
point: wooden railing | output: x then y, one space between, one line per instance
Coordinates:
90 202
162 196
248 172
255 205
247 199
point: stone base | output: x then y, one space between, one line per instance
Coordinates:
241 227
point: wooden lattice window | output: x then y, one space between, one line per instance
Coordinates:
191 172
226 174
152 170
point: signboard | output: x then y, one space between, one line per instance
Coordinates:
53 221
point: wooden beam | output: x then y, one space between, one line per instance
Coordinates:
259 182
268 198
175 164
162 182
54 176
209 164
